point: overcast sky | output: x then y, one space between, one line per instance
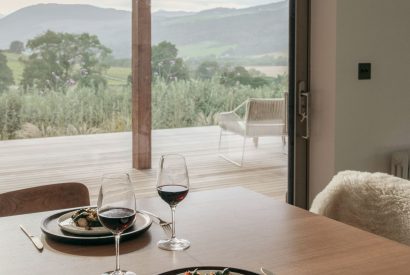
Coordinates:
9 6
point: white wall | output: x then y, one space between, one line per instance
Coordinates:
323 86
372 117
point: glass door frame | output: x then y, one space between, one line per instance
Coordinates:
298 120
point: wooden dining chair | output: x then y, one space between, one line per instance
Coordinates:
44 198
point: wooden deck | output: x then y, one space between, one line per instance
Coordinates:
33 162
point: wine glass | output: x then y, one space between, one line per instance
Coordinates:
172 187
116 209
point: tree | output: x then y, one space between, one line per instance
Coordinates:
61 60
16 47
207 70
235 76
239 75
6 75
166 64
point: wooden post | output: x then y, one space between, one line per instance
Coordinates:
141 84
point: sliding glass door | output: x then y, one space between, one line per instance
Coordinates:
299 103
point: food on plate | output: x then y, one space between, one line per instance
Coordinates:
196 272
86 218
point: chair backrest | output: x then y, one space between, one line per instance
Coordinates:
260 110
44 198
375 202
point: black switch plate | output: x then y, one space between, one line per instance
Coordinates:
365 71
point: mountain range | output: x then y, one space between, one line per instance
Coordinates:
251 31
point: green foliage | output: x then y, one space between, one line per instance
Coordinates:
79 111
196 102
82 111
16 47
239 75
10 115
166 64
6 75
207 70
61 60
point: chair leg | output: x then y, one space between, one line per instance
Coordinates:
284 140
220 140
284 145
226 157
256 141
243 150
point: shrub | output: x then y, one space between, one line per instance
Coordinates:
10 115
82 111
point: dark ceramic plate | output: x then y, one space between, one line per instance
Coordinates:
206 269
51 229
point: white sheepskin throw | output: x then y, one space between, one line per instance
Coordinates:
375 202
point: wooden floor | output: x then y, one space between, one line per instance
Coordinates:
32 162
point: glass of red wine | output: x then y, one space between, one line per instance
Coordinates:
172 187
116 209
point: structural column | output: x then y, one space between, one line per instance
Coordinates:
141 84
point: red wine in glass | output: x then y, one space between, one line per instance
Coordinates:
116 210
172 194
173 187
117 219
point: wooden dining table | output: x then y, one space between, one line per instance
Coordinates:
232 227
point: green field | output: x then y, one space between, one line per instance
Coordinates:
117 76
15 65
204 49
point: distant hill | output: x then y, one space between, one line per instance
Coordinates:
230 32
169 14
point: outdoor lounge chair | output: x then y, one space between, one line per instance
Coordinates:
263 117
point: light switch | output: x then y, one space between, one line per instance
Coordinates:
365 71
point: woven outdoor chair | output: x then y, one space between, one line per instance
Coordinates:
263 117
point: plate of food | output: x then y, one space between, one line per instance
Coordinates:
209 270
83 221
57 228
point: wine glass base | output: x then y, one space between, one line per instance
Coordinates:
174 244
122 272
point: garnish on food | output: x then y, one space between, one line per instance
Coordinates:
86 218
196 272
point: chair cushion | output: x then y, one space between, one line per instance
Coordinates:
234 126
259 129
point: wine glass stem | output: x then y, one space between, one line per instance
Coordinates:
173 221
117 253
